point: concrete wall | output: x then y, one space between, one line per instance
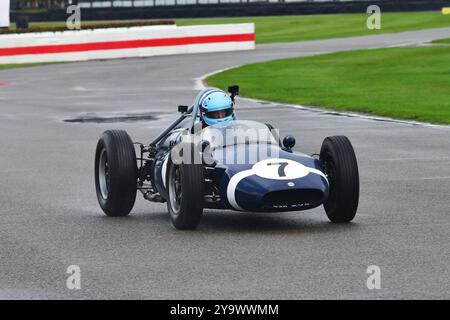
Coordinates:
124 42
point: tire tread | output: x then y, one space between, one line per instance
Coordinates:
341 151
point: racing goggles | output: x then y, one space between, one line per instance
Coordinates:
219 114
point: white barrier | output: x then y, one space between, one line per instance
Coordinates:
124 42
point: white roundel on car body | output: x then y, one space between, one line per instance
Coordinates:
280 169
276 169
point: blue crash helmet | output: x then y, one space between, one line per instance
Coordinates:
216 107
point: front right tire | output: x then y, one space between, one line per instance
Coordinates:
341 168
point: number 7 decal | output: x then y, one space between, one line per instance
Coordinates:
281 167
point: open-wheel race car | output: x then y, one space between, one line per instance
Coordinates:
238 165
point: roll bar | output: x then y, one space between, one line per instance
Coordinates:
174 124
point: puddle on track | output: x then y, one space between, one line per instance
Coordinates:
96 118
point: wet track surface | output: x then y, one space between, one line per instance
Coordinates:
50 219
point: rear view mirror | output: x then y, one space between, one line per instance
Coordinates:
234 90
289 142
182 109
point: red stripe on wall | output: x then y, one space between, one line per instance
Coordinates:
128 44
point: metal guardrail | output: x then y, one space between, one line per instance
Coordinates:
152 3
60 4
160 9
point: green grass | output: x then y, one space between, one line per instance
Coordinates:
312 27
407 83
446 41
86 25
25 65
59 24
51 24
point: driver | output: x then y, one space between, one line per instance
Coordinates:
216 107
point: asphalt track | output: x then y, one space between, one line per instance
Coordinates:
50 218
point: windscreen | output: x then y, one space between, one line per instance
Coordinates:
238 132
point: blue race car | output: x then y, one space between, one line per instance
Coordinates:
237 165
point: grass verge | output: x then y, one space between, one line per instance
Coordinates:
314 27
407 83
59 26
25 65
444 41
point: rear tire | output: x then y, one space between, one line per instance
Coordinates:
186 191
116 173
339 164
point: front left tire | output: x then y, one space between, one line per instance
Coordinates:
116 173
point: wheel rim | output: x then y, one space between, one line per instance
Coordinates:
330 171
103 174
175 191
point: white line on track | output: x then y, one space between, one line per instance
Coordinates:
423 178
412 158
